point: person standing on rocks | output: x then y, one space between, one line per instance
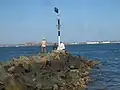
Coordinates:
43 45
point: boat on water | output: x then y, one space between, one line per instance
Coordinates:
17 46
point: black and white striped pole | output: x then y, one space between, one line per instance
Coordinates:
58 19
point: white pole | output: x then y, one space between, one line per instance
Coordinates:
59 40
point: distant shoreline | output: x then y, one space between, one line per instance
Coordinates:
52 44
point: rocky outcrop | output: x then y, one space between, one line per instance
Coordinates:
55 71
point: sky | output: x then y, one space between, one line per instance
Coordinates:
24 21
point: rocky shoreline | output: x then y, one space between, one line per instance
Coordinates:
54 71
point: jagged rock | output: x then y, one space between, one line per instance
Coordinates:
58 70
3 73
11 69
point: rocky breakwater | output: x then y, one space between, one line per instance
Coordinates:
55 71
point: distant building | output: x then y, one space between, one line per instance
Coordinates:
92 42
105 42
1 45
30 44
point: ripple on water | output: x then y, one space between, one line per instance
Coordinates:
108 76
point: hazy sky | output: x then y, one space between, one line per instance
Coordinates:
81 20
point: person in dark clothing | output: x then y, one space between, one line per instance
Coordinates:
55 46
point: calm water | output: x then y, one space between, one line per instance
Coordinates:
106 78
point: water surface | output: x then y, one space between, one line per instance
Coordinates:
106 78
